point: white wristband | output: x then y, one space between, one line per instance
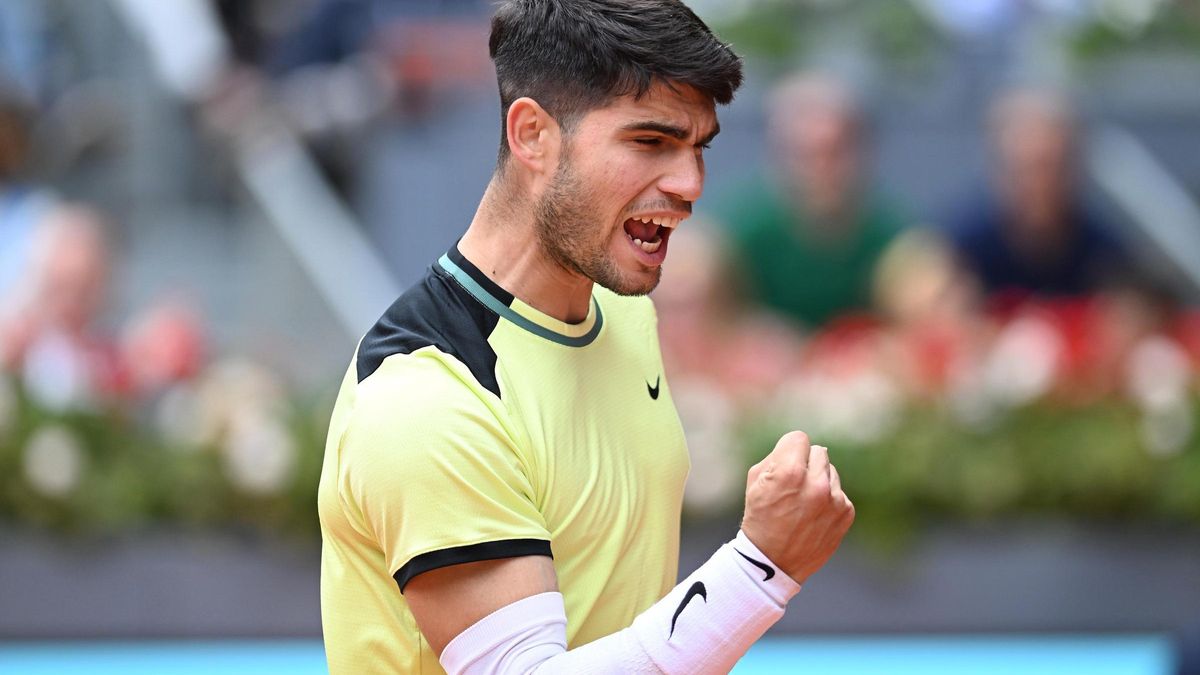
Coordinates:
703 625
717 612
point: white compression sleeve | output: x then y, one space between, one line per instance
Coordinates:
703 625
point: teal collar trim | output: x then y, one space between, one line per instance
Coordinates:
491 302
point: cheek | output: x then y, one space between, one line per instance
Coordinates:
622 181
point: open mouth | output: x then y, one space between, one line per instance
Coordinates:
648 233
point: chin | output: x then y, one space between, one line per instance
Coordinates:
633 284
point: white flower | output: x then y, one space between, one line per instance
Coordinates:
1023 361
259 453
205 413
874 407
968 399
54 461
1158 373
56 374
244 382
862 407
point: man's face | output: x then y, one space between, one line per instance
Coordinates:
1036 174
822 156
627 176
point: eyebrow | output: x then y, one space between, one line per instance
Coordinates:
678 133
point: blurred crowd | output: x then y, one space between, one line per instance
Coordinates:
811 294
55 324
236 72
809 290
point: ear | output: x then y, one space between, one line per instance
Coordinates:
534 137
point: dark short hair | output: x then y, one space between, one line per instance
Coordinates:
573 56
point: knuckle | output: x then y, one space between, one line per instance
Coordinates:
815 499
820 484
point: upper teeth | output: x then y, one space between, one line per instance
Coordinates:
669 223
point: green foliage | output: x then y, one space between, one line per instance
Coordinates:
1045 459
131 477
782 32
1175 28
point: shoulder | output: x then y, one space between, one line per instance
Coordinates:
423 419
438 313
426 378
414 400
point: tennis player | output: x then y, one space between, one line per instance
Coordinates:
504 472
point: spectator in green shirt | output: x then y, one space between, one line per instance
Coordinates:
807 237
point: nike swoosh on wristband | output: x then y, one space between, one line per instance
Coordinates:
654 390
767 569
696 589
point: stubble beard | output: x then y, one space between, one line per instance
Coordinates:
567 231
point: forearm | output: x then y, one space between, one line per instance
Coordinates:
703 625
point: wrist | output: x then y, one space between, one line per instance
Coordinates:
773 579
754 537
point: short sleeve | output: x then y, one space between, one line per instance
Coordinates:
429 461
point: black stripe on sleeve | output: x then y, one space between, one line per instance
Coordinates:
488 550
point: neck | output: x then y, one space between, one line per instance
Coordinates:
502 242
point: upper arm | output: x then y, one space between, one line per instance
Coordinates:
442 488
448 600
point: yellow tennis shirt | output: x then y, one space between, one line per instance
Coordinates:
470 427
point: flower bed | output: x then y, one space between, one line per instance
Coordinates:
1055 410
229 449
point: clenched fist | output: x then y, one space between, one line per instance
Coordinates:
796 512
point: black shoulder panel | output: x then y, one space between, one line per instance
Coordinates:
437 311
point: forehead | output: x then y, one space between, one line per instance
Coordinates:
681 106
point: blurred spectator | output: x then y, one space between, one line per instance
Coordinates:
1031 231
931 306
53 338
808 237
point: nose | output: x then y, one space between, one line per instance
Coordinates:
685 178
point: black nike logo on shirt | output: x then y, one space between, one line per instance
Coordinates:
654 390
696 589
767 569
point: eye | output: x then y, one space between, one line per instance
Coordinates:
648 142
